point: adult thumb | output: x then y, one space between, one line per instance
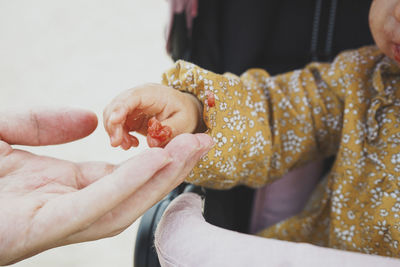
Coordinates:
46 126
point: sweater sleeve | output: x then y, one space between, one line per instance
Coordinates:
263 126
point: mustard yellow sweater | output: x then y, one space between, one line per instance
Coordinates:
264 126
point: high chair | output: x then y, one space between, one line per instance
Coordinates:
184 238
282 199
328 27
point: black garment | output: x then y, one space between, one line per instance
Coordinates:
276 35
235 35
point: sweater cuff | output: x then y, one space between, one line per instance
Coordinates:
203 84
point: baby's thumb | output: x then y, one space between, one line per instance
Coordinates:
180 124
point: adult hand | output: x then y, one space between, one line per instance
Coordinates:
47 202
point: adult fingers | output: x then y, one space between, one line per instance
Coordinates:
80 209
46 126
186 151
93 171
172 175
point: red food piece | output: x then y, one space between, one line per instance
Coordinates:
157 134
397 53
210 98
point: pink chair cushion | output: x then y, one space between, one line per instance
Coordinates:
285 197
184 238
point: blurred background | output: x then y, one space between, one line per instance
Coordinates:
81 53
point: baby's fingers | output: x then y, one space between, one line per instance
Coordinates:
180 123
188 118
115 119
129 141
117 115
116 135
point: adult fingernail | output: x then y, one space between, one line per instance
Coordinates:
211 143
204 153
205 141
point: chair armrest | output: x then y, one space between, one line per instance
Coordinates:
184 238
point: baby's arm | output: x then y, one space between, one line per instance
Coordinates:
262 126
131 111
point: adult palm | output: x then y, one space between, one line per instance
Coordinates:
47 202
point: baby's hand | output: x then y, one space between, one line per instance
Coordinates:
131 111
